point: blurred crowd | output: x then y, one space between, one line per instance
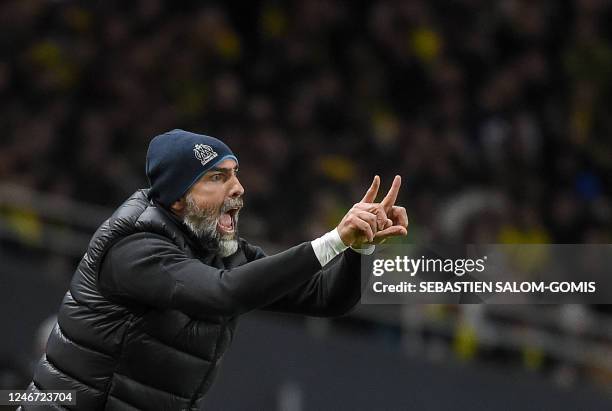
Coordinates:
496 114
493 112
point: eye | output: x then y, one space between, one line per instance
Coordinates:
216 177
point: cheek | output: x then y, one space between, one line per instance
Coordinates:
211 207
210 199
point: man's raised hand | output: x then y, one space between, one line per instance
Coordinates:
369 222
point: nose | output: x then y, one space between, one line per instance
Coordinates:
237 190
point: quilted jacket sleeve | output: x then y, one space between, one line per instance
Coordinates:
151 270
332 291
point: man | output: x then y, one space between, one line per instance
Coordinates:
153 304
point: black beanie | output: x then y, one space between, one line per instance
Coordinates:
177 159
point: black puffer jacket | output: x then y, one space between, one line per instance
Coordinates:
149 312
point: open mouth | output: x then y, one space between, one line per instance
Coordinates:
227 220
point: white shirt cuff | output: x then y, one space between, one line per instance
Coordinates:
367 249
330 245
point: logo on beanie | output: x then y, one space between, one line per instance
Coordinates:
204 153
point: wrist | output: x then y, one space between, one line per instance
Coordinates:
341 236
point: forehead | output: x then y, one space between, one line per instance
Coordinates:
227 164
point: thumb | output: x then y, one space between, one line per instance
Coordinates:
392 231
389 223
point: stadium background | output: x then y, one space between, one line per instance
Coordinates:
497 115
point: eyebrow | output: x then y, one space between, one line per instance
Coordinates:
225 170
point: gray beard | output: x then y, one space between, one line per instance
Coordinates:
202 222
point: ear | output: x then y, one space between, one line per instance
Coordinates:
178 206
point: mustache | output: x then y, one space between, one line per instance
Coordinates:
231 203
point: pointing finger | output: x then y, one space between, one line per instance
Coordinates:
391 196
370 195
